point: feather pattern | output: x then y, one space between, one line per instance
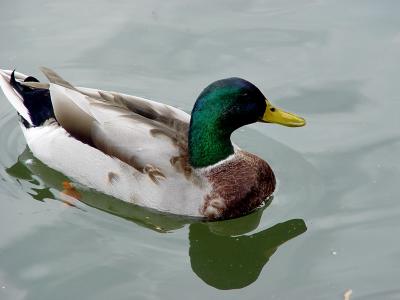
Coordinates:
137 131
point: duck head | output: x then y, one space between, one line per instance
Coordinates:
221 108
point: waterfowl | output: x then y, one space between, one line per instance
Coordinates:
148 153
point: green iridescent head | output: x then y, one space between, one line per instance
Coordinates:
222 107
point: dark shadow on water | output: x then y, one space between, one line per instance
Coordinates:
234 262
221 253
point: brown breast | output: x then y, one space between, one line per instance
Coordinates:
238 186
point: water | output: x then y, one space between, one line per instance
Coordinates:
334 220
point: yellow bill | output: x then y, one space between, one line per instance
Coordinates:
275 115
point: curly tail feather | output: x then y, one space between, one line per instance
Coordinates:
30 98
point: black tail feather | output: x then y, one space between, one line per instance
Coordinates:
36 100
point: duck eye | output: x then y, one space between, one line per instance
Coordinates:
272 109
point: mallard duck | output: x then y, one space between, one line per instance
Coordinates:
148 153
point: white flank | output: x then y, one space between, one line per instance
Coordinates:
87 165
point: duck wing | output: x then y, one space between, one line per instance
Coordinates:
147 135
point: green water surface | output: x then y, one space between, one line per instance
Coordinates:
334 221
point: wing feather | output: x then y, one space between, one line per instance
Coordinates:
72 111
53 77
137 131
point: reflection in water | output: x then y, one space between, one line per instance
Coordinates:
220 252
233 262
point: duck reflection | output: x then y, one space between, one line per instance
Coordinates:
221 253
233 262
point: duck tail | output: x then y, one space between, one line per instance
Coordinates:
29 97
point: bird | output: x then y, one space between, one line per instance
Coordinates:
148 153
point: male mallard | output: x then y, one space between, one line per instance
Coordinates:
149 153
